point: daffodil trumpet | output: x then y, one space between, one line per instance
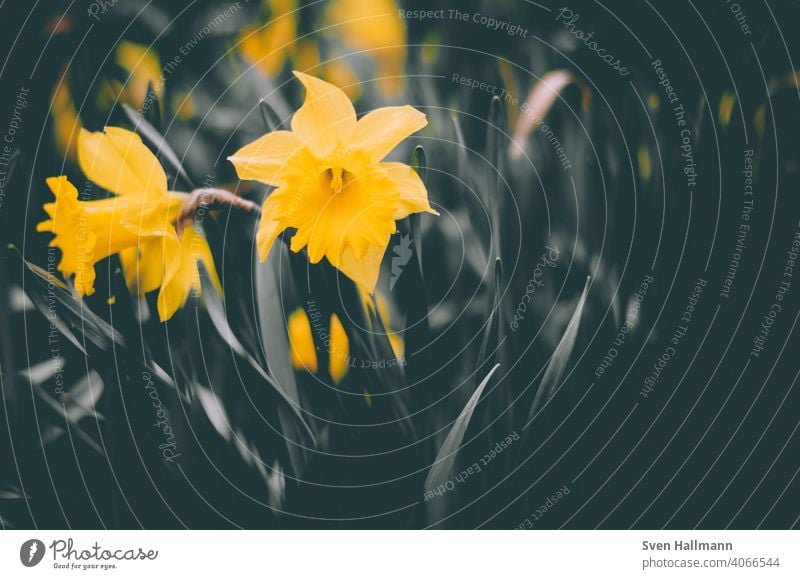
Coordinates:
332 185
138 222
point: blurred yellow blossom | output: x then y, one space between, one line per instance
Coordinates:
726 104
375 28
301 342
143 67
339 73
66 123
645 166
306 57
340 350
268 46
304 351
184 106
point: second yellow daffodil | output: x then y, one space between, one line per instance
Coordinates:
137 223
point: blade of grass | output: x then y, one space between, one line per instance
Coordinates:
275 344
494 183
152 107
492 337
443 467
558 361
269 116
216 311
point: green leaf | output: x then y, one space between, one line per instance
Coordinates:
492 334
73 317
275 343
558 362
216 311
492 191
419 163
214 409
11 492
269 116
443 468
75 405
153 111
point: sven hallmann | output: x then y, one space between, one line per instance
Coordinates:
693 545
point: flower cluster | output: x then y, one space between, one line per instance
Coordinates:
331 185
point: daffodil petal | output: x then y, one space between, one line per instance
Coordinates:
61 187
413 194
326 117
380 131
340 350
143 266
198 250
85 274
266 158
173 292
301 341
269 227
117 160
134 277
185 275
364 271
77 254
171 298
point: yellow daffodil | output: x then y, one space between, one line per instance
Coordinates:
332 185
339 73
306 57
267 47
376 29
304 352
143 67
137 222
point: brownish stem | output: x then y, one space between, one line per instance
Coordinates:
211 199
